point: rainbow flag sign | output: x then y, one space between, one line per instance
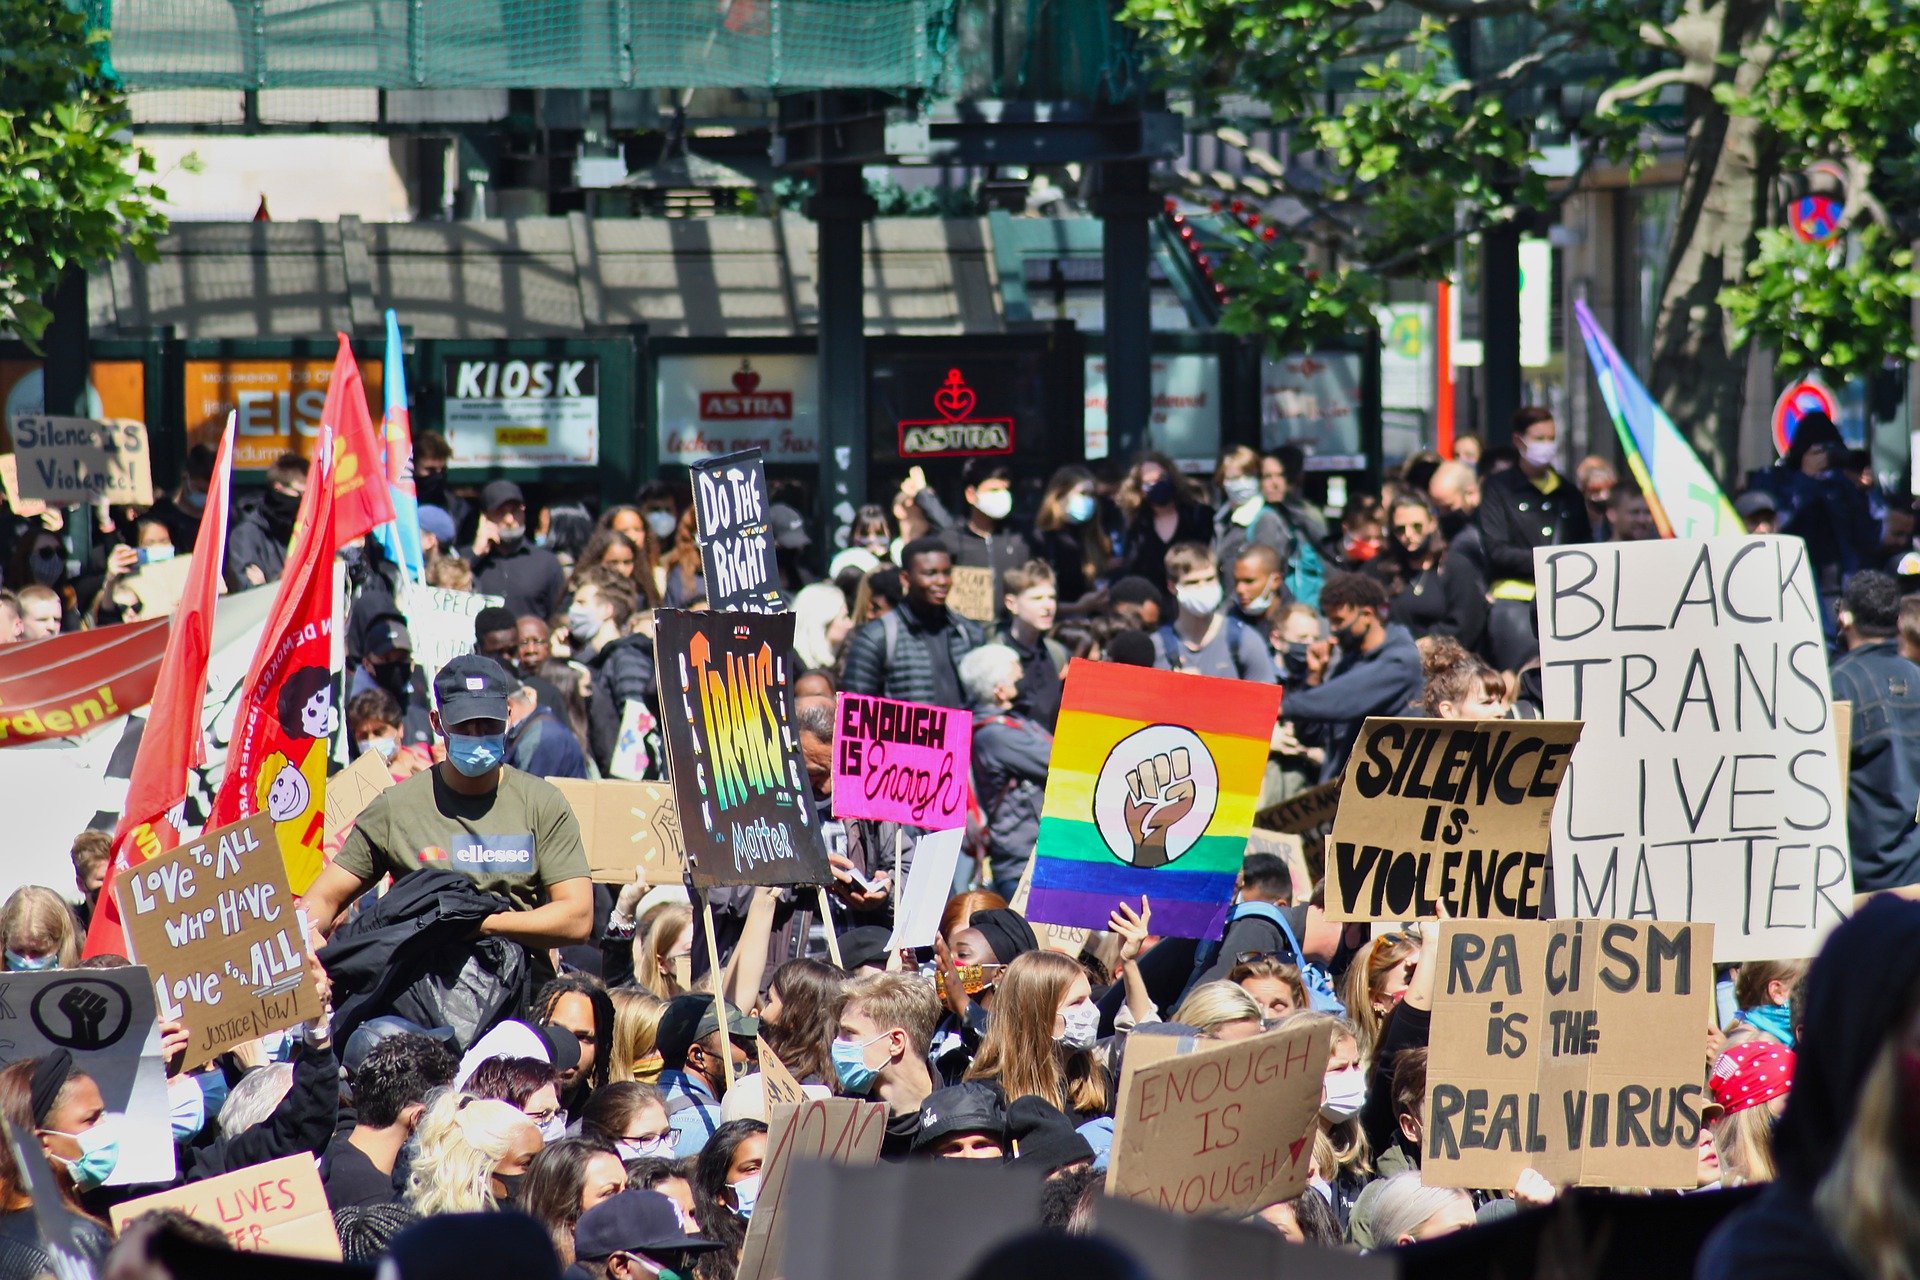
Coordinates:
1150 792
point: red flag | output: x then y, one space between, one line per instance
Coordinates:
172 742
277 760
361 500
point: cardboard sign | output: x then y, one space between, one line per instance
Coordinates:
277 1207
736 542
67 1257
67 462
25 508
971 595
726 702
1227 1129
843 1130
1290 849
1574 1047
873 1223
781 1088
105 1019
350 791
440 622
1310 810
902 762
1150 792
159 585
627 826
1446 814
929 885
65 684
215 921
1706 785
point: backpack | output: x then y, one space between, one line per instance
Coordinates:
1306 573
1166 642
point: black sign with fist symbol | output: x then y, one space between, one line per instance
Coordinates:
82 1014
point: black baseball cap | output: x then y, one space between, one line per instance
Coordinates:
472 688
788 527
864 946
634 1221
971 1107
388 635
563 1047
500 492
689 1018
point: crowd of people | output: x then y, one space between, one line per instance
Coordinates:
603 1093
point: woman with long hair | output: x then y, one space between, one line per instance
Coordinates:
1374 984
39 930
470 1155
1040 1040
565 1180
1430 592
1275 986
1069 535
1459 685
636 1022
869 543
1342 1158
1162 508
726 1183
612 549
1220 1011
662 940
47 1096
632 1118
800 1018
821 625
685 580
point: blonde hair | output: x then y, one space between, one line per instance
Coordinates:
37 915
1019 1050
1213 1005
902 1000
1365 977
651 968
461 1141
1866 1199
636 1021
1744 1141
1343 1146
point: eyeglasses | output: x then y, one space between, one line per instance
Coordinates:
1255 957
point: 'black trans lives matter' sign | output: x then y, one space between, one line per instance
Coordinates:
1706 785
736 541
739 782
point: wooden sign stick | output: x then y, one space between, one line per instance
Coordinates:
719 997
826 922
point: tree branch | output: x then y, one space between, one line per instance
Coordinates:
1698 75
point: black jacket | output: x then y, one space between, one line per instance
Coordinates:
301 1125
528 578
414 953
622 673
251 541
1515 517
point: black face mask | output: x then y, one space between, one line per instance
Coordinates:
280 510
395 677
511 1181
1295 661
1453 522
1159 493
1353 638
431 488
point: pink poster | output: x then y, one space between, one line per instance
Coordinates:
902 762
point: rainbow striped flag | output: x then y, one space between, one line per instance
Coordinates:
1150 792
1685 499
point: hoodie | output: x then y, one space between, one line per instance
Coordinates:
1860 992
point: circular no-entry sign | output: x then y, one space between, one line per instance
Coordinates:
1796 402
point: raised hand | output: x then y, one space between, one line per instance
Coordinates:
1131 928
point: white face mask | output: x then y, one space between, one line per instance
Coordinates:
1083 1025
1240 489
1538 453
1346 1094
1200 599
385 746
994 504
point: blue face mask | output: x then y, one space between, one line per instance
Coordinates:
745 1192
474 754
99 1154
1080 508
17 963
1774 1019
850 1064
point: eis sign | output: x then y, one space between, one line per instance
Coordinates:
956 433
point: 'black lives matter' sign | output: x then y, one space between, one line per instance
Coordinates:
1574 1047
730 510
1446 817
1706 785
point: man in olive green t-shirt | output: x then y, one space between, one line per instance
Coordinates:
510 832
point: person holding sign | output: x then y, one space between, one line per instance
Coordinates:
514 834
913 653
986 540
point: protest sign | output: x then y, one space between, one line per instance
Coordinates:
24 508
634 745
1227 1129
874 1223
1150 792
726 701
158 586
66 684
440 623
68 462
1706 785
1311 809
1446 817
277 1207
971 594
1290 849
215 921
68 1256
902 762
1574 1047
626 826
843 1130
105 1019
929 884
350 791
736 541
780 1086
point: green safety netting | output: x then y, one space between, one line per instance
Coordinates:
525 44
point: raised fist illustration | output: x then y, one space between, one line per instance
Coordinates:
1160 792
86 1009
